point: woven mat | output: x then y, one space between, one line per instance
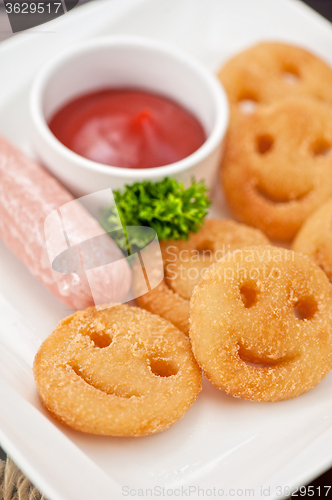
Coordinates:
14 485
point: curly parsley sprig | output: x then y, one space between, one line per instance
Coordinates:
167 206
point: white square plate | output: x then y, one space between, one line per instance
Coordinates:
222 442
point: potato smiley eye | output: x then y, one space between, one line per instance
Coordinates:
264 143
101 339
248 294
305 308
321 147
291 74
205 246
247 102
163 367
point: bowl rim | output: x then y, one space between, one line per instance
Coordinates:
215 88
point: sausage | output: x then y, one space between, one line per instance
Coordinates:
90 269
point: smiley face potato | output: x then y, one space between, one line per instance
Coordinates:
119 371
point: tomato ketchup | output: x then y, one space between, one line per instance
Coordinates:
127 128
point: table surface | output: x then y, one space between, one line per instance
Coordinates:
324 7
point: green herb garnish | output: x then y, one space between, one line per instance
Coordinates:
166 206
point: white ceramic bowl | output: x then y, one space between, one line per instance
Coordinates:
126 61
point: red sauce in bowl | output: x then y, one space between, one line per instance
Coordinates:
128 128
